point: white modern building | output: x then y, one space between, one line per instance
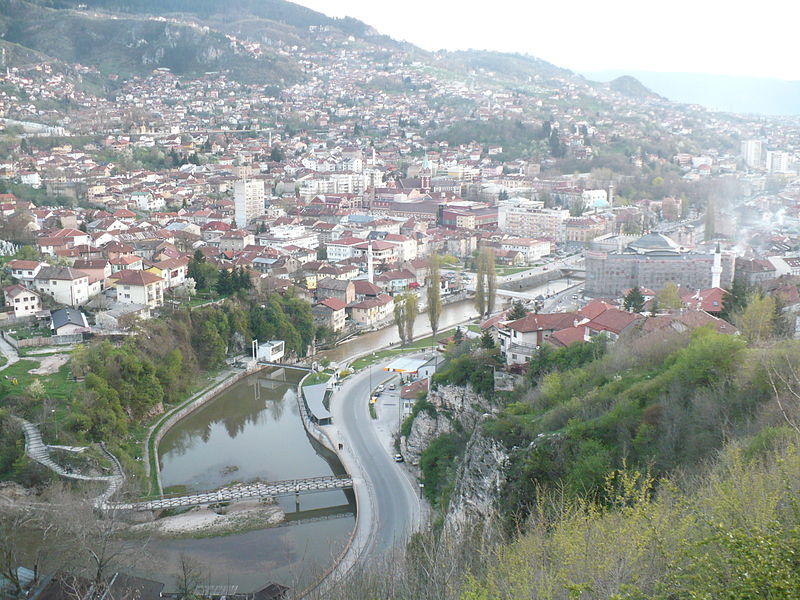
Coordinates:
248 200
752 152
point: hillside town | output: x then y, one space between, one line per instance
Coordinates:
340 188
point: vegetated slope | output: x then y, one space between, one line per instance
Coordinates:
518 67
131 45
658 403
631 87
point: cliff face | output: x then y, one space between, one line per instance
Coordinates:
449 404
481 477
481 470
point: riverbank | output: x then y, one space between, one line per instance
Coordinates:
202 522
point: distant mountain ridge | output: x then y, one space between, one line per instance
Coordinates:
717 92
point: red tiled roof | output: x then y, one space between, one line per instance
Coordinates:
334 303
613 320
135 277
570 335
548 322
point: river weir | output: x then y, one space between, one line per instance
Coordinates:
252 431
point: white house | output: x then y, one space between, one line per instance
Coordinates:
25 302
145 201
66 285
531 249
25 270
139 287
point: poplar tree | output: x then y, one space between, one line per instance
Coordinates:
434 295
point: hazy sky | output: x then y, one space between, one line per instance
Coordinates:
702 36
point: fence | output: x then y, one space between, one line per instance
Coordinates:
54 340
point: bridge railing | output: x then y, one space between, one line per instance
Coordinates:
282 483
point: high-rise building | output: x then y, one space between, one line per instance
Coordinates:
248 199
752 151
778 162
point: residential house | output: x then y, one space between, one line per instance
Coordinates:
336 288
371 311
67 321
65 285
365 289
98 269
25 270
330 313
173 271
612 322
25 302
139 287
396 281
129 262
520 339
235 240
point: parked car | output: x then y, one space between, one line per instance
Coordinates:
398 458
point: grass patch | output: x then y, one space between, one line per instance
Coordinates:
420 344
512 270
372 412
316 378
58 386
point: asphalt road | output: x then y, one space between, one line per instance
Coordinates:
394 509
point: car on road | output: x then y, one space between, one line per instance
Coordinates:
398 458
392 386
380 388
574 296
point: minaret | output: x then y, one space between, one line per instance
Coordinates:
716 270
611 195
370 266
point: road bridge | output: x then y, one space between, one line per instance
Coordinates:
246 491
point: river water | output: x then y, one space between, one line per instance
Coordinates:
253 430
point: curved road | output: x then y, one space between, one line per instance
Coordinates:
389 504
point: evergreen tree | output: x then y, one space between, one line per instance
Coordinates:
634 300
517 311
224 284
487 341
458 336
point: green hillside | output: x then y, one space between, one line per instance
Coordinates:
134 45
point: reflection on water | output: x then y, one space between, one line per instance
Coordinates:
253 431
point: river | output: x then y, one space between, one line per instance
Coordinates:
253 430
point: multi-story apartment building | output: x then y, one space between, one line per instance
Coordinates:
248 201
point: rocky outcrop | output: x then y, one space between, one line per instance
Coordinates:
481 473
481 477
448 404
425 428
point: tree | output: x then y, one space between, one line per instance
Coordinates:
189 576
487 341
434 294
486 282
480 293
400 317
458 336
276 154
491 281
756 322
517 311
634 300
669 296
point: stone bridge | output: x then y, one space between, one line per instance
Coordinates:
247 491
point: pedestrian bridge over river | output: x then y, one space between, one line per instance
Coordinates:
247 491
